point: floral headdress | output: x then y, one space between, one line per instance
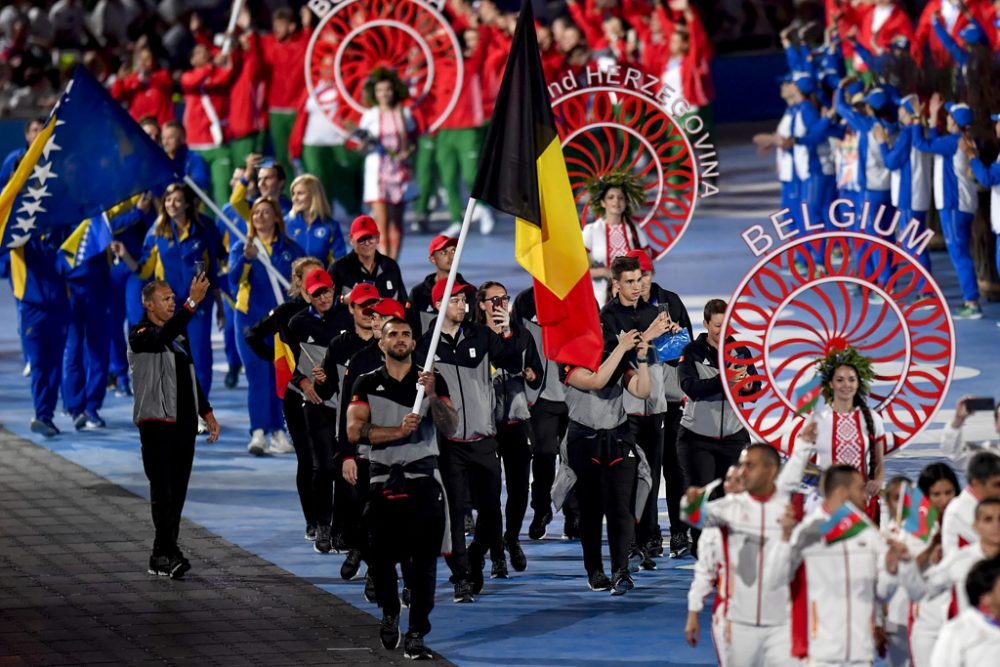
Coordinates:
845 357
384 74
622 179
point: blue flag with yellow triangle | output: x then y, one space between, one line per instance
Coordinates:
89 157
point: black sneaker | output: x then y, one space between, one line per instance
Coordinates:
322 545
517 558
389 632
654 547
370 588
634 559
44 427
178 566
406 597
680 544
349 569
232 377
499 569
622 583
311 532
476 565
536 530
571 528
338 543
159 566
598 581
463 592
470 525
414 648
647 562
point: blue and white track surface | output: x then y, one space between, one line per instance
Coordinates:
545 615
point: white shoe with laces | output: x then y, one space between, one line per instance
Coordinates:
258 443
280 444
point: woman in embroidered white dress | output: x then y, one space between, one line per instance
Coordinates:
848 430
390 139
614 198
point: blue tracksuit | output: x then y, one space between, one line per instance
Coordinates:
955 192
254 300
126 305
813 163
322 239
41 299
790 185
990 178
911 173
191 164
166 258
229 332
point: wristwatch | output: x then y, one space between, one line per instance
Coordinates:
191 303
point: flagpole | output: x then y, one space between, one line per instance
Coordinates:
234 14
448 286
899 503
277 280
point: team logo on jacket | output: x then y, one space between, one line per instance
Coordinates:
320 232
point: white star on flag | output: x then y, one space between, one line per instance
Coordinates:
31 207
43 172
25 224
39 193
18 240
51 145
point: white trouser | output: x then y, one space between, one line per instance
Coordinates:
759 646
719 637
922 645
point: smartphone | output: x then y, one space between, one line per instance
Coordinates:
980 405
199 268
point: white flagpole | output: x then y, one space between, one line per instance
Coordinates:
448 286
277 280
234 14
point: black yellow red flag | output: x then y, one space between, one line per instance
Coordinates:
522 172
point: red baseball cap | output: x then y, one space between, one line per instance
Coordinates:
316 280
363 225
645 263
441 242
437 294
362 293
390 308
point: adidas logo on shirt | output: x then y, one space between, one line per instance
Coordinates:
310 340
380 388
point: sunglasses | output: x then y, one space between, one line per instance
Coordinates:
322 293
499 301
367 240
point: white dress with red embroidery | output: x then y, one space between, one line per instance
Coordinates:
843 438
605 243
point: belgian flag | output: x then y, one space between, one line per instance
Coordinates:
522 172
284 365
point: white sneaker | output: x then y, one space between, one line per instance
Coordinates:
486 221
453 230
258 443
27 370
279 443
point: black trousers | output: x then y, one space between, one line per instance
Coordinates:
471 470
672 476
606 467
321 426
514 442
167 457
648 433
295 420
408 531
705 459
355 526
549 421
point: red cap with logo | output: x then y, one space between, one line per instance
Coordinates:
441 242
363 225
362 293
437 294
645 263
390 308
316 280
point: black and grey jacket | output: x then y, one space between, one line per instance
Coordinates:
707 412
422 312
160 359
525 315
312 334
616 319
464 362
510 388
260 337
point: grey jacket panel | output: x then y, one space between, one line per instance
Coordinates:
551 388
656 403
713 419
154 385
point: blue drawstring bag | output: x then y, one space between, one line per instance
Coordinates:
669 346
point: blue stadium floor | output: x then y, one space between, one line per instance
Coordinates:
546 615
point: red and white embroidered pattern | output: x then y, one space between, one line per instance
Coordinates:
848 442
617 242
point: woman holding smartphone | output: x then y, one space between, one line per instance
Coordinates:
179 246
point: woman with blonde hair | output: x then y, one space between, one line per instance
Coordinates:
310 222
389 135
259 339
180 245
255 297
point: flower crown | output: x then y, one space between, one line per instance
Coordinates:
384 74
624 180
848 356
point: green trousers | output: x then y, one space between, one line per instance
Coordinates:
340 172
240 148
454 159
280 124
425 173
220 168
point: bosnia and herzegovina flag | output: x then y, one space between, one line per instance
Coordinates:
284 365
89 157
846 522
693 513
522 172
919 516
